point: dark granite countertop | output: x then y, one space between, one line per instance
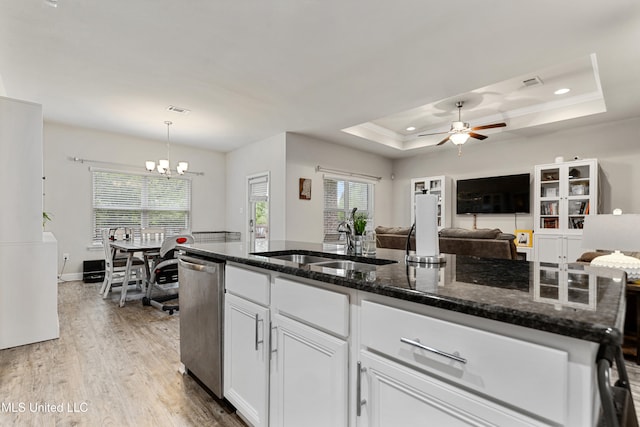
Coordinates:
572 300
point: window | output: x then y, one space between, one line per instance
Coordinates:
123 199
340 197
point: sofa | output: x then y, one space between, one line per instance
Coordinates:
485 243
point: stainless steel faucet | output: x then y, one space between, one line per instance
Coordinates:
347 228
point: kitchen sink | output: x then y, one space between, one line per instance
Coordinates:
331 260
346 265
301 258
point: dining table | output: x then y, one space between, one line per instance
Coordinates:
148 248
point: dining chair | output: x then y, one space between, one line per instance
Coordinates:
164 274
115 266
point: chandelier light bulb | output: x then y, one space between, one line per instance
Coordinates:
182 167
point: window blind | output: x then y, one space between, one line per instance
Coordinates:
259 189
130 200
341 196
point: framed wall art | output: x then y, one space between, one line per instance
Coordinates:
305 189
524 238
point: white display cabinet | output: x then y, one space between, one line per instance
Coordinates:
565 193
439 186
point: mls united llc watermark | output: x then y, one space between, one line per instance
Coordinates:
43 407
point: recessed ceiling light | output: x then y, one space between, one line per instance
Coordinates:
52 3
411 128
562 91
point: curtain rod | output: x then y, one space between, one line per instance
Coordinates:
347 173
102 162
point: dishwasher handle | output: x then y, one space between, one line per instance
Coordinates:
197 264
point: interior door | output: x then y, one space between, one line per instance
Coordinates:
258 207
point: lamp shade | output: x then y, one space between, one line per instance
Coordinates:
612 232
617 233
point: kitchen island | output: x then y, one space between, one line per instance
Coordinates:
377 342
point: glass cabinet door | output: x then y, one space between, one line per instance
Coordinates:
578 191
565 194
550 198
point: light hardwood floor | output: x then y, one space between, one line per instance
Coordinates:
115 367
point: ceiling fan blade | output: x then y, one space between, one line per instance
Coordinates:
443 141
477 136
495 125
436 133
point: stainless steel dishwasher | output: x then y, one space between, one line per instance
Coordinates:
201 319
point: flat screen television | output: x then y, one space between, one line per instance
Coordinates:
493 195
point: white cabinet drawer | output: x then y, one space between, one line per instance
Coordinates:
526 375
317 307
394 395
248 284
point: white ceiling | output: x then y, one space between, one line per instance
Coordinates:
250 69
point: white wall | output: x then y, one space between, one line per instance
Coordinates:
305 217
68 184
615 145
263 156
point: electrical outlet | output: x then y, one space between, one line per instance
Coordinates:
65 256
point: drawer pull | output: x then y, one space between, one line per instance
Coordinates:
433 350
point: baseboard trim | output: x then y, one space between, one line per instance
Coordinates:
69 277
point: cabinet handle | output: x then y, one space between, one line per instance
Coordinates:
258 320
273 341
359 398
433 350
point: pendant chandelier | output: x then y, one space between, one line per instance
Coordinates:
164 166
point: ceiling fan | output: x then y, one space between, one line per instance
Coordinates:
461 131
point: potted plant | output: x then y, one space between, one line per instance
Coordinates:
359 223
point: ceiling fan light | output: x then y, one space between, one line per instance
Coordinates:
150 165
459 138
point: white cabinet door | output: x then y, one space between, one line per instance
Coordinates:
309 381
558 249
246 358
393 395
547 248
573 248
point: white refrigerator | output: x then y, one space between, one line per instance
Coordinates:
28 256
